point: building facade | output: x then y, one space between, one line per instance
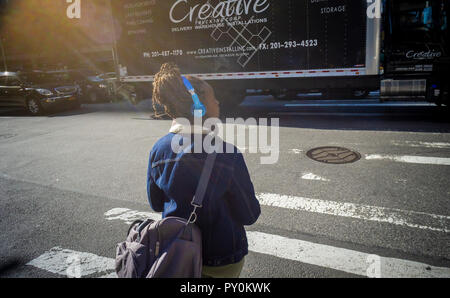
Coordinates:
38 34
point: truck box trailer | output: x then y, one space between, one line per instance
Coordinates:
268 45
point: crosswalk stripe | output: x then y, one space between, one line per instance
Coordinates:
73 263
440 145
311 176
341 259
412 219
400 104
411 159
333 114
346 260
129 216
77 264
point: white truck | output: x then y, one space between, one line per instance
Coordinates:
331 46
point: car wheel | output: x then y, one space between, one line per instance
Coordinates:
34 107
93 97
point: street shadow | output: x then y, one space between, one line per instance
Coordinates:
316 114
14 113
60 112
70 112
9 264
412 117
408 118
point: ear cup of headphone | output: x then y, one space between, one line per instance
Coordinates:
198 110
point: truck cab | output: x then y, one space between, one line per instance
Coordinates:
415 52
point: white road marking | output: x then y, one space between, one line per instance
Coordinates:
337 114
336 258
400 104
341 259
116 211
72 263
59 261
412 219
411 159
439 145
111 275
296 151
311 176
407 218
129 216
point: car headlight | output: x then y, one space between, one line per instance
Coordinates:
44 92
102 86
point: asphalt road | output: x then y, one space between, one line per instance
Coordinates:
64 176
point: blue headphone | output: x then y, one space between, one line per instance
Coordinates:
198 109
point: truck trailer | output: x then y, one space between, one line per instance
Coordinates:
336 47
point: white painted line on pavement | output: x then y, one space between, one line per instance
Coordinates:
336 258
341 259
411 159
413 219
420 104
332 114
129 216
111 275
311 176
296 151
439 145
72 263
407 218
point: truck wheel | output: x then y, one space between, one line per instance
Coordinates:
34 107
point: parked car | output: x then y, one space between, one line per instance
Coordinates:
37 91
93 88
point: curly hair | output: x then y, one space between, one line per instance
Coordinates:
170 92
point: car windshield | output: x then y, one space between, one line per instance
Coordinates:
419 21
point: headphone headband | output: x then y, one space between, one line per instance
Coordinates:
198 109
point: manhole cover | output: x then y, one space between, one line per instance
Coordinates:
333 155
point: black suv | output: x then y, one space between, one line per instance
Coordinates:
38 91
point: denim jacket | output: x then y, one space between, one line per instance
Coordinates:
228 205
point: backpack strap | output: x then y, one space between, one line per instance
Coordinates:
202 185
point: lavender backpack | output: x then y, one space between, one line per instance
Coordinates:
166 248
